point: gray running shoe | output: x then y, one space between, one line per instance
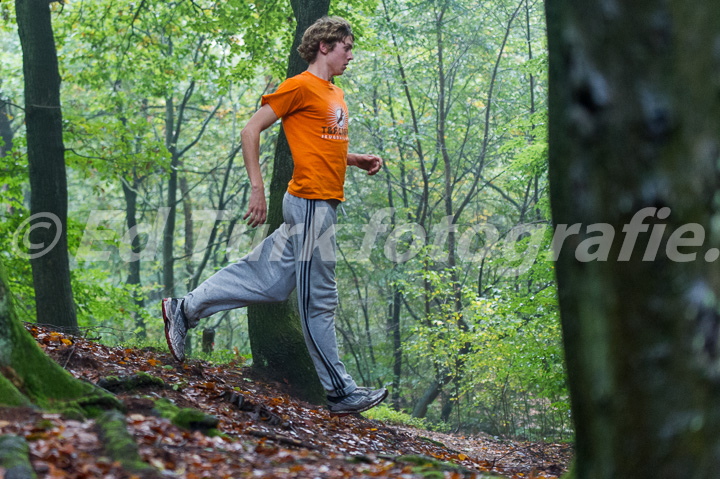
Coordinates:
176 326
357 401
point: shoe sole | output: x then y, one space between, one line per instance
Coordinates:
167 331
343 414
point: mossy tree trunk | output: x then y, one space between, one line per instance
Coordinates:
46 158
28 376
276 338
635 123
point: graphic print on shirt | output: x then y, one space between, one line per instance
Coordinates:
337 120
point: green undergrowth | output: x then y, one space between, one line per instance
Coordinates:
386 414
154 344
225 356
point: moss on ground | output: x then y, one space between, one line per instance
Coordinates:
130 383
120 445
15 457
187 418
195 420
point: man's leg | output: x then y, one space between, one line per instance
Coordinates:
316 287
265 275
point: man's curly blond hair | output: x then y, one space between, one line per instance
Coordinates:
329 30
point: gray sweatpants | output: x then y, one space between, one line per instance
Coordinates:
300 254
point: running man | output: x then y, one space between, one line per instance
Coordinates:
301 253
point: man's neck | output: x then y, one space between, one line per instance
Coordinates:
320 70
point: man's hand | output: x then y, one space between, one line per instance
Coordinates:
369 163
257 208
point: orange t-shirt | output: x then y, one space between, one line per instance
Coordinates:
315 119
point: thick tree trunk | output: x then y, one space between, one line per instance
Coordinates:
275 332
46 158
634 121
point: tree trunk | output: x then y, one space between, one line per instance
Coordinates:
276 339
430 394
189 236
28 376
133 278
397 346
46 158
6 132
634 121
169 233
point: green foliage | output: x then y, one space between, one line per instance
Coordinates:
386 414
225 357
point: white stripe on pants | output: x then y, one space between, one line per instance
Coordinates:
300 254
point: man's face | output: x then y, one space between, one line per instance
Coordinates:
339 57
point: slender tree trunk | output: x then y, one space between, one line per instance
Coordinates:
634 119
46 157
275 332
397 346
189 244
395 325
133 278
6 132
447 407
169 233
189 236
431 393
131 221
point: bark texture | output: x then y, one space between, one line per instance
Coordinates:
275 331
46 158
634 123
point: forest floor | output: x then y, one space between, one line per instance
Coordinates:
266 433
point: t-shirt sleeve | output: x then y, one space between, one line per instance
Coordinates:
286 99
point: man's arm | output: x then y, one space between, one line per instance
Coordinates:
369 163
250 136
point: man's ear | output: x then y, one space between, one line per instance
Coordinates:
324 48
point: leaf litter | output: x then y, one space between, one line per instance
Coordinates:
265 432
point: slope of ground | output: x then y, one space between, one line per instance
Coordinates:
265 433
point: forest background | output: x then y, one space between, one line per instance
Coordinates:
447 292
